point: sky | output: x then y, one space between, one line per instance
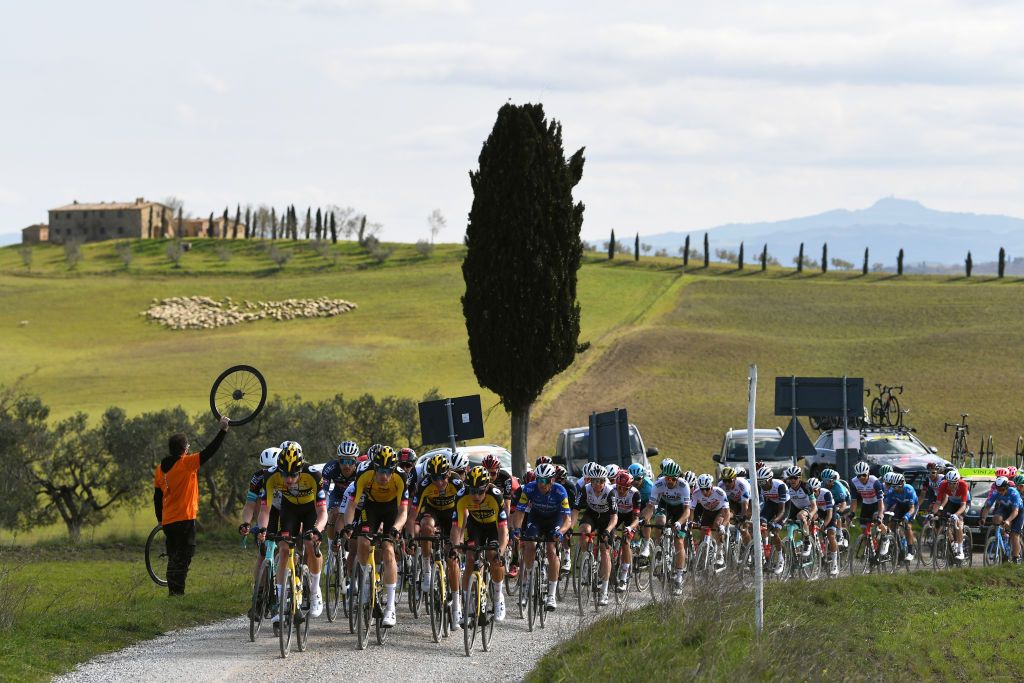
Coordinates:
693 114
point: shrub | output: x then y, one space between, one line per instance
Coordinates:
279 256
424 248
124 252
72 253
174 253
26 256
224 254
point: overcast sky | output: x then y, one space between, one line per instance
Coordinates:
693 114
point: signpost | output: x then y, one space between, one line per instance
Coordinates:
755 504
823 397
450 420
609 434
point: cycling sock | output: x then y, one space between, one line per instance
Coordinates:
624 571
389 589
604 588
314 580
280 591
457 601
552 587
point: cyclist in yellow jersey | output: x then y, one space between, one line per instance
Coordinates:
480 516
434 501
382 503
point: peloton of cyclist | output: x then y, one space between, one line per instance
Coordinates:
1006 504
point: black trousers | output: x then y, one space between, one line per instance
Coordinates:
181 546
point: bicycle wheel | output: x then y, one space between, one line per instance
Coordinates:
302 617
541 593
488 611
576 586
511 583
668 552
877 412
703 565
522 592
470 612
990 552
586 571
614 578
860 558
941 552
332 579
968 546
415 590
890 563
562 586
362 609
260 595
641 571
892 412
925 542
435 606
813 561
240 392
156 556
532 591
380 630
285 610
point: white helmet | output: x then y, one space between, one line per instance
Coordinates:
348 449
861 468
593 470
765 473
705 481
611 471
953 476
458 461
814 483
268 458
546 471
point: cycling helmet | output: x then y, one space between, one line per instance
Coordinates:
363 465
898 479
373 450
1011 471
268 458
386 458
544 460
765 473
861 468
490 462
592 470
1002 481
884 470
1001 472
728 474
759 464
624 479
528 476
348 449
437 466
792 471
741 472
1019 480
289 460
545 471
459 461
611 471
829 475
690 478
637 471
953 476
705 481
286 444
560 473
815 484
669 468
889 478
477 478
406 455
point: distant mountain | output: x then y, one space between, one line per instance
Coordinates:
925 235
9 238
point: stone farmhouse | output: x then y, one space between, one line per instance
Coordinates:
34 234
110 220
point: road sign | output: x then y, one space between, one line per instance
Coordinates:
795 441
609 437
448 420
819 396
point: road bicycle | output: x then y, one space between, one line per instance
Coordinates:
774 563
368 595
926 540
800 551
820 541
588 570
885 408
959 454
438 598
478 602
943 549
264 593
662 566
867 557
705 568
293 607
618 544
335 579
903 547
997 546
535 584
416 562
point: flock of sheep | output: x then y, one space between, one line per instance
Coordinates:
204 313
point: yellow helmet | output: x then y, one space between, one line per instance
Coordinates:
728 474
437 466
289 460
385 458
477 478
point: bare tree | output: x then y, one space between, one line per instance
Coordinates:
175 204
437 223
26 256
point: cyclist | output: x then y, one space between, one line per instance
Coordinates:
868 493
544 505
737 489
337 475
458 463
434 503
408 469
901 499
1006 506
644 485
825 504
1018 481
954 499
715 506
840 498
501 479
803 505
573 490
250 511
597 512
774 496
480 515
303 513
670 504
627 505
382 503
930 488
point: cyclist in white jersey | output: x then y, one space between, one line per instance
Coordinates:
802 501
670 497
774 508
715 504
596 501
738 491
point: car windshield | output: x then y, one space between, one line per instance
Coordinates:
892 445
581 452
979 492
764 449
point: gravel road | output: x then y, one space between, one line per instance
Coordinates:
223 652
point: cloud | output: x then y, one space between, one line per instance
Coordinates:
211 82
186 113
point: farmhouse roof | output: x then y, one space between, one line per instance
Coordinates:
139 203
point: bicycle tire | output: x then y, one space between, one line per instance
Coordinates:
668 554
332 579
892 412
284 613
380 631
155 555
925 543
877 413
531 604
542 592
302 630
435 607
857 558
640 571
616 572
259 597
362 611
890 563
522 592
490 610
968 546
470 613
575 573
415 590
586 570
233 394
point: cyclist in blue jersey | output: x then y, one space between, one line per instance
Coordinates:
1006 505
545 506
901 500
645 485
337 475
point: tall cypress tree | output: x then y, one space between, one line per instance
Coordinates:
899 262
224 228
611 246
210 231
864 270
969 264
764 258
273 223
248 224
636 248
181 223
1002 261
800 259
334 229
707 251
686 252
238 220
319 225
740 260
523 253
824 257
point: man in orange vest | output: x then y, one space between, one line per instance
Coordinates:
176 501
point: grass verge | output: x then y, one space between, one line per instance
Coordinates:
61 605
958 625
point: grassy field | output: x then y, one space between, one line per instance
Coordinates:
60 606
960 625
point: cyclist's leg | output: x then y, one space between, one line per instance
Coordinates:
426 528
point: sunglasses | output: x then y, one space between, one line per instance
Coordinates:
385 470
477 491
348 461
406 465
543 480
438 477
705 490
293 475
671 478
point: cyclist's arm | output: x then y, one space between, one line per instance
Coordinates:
613 521
264 515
